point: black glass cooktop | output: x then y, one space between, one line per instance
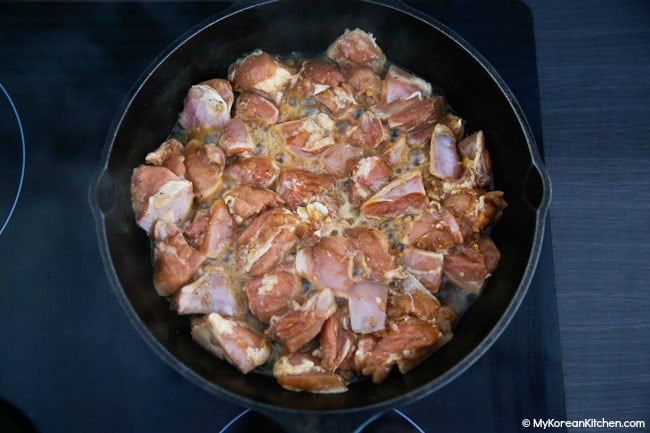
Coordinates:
70 361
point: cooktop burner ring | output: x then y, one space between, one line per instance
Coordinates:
4 219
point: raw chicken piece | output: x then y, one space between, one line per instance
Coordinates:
444 162
253 108
260 71
272 294
266 241
338 159
316 76
204 164
207 105
246 201
299 187
174 261
370 132
308 136
413 299
403 195
213 292
170 155
302 372
468 267
369 176
297 327
413 114
454 123
476 159
477 208
365 84
437 231
158 194
337 343
424 265
409 339
257 171
232 340
357 48
397 153
367 303
220 231
328 264
338 101
399 84
195 232
373 259
235 139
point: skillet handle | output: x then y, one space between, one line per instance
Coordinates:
296 422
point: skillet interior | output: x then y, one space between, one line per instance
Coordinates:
308 27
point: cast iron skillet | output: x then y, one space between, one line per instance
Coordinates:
408 38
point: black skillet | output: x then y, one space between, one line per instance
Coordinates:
408 38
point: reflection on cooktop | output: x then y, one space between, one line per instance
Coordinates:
12 157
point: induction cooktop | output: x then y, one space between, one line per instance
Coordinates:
70 361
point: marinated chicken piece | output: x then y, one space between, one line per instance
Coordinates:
298 326
369 176
204 163
405 340
468 267
437 231
372 257
158 194
367 303
329 264
477 208
414 114
195 232
370 132
260 71
339 159
302 372
272 294
299 187
403 195
207 105
476 159
337 343
235 139
253 108
246 201
213 292
170 155
266 241
413 300
454 123
397 153
366 85
424 265
257 171
232 340
357 48
220 231
338 101
316 76
444 162
399 84
175 262
308 136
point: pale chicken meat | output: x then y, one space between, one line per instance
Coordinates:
207 105
322 219
159 195
212 292
232 340
175 262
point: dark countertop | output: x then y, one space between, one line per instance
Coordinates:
593 66
593 62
